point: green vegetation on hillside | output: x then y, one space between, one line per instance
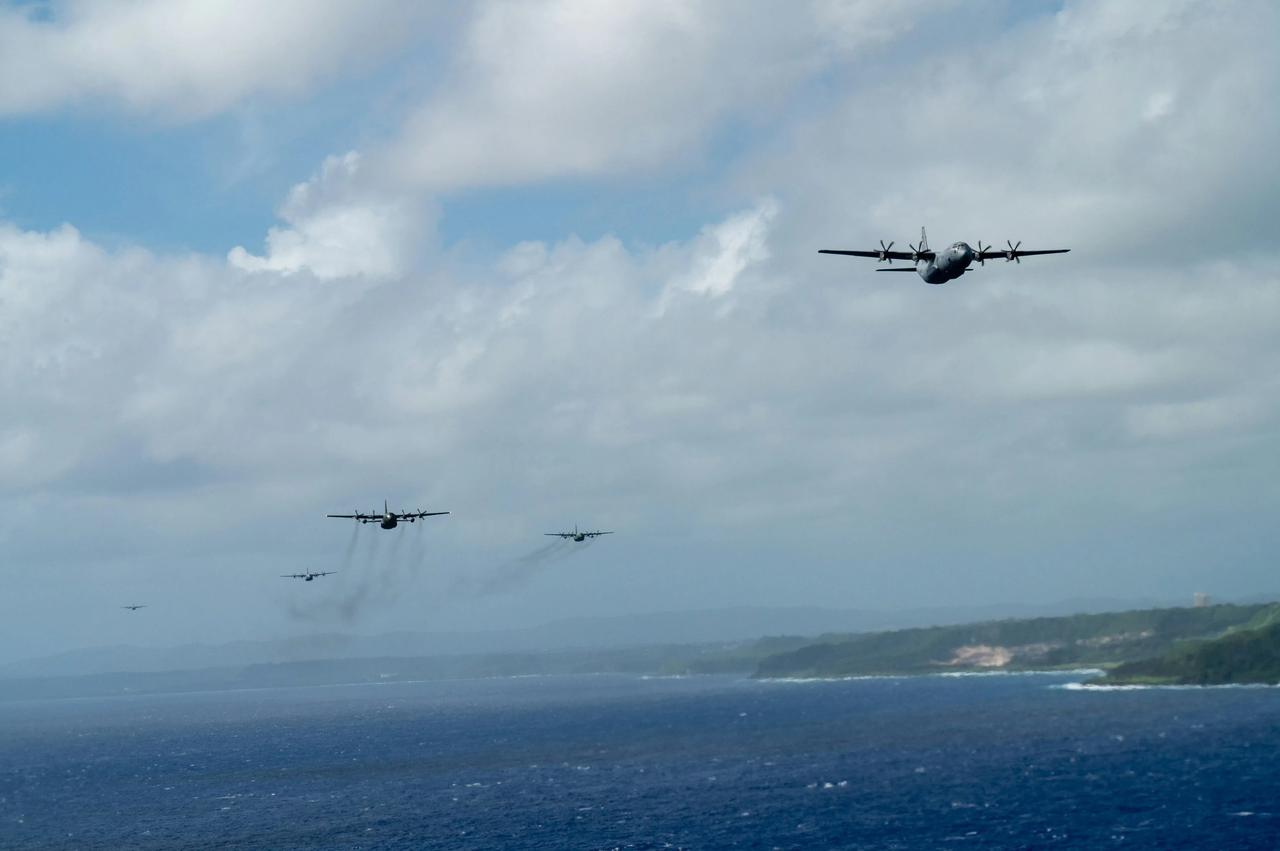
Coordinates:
1094 640
735 658
1242 656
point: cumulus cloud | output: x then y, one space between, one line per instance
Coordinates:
341 228
731 386
1111 128
723 252
572 89
612 373
185 58
172 402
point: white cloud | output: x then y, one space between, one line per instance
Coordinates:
185 58
579 89
341 229
722 253
730 377
1181 419
177 403
1109 127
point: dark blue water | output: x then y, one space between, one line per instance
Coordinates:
608 762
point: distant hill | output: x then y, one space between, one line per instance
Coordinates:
597 633
1250 654
1083 640
1238 643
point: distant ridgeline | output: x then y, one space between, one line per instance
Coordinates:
1247 655
1210 644
1204 645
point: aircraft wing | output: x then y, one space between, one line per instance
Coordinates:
888 255
558 534
325 573
413 515
596 534
356 516
1003 254
293 576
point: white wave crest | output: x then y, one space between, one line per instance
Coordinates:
1156 687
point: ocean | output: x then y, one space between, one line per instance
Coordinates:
602 762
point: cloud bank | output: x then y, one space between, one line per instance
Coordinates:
778 425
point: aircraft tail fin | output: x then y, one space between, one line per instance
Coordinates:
924 240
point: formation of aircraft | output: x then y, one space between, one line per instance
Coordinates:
935 267
388 519
938 267
308 576
575 534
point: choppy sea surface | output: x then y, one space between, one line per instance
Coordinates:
630 762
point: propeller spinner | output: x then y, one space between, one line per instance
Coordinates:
884 252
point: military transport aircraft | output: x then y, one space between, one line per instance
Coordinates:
306 577
938 267
575 534
389 519
135 608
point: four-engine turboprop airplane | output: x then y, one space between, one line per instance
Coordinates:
938 267
306 577
575 534
389 519
135 608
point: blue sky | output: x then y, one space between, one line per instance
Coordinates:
547 263
209 184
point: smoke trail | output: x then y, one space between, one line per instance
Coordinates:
579 547
350 551
417 549
542 553
372 580
378 575
516 572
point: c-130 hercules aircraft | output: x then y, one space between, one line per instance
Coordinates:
575 535
938 267
308 576
388 519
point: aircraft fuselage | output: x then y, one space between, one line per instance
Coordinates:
388 521
947 264
579 538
